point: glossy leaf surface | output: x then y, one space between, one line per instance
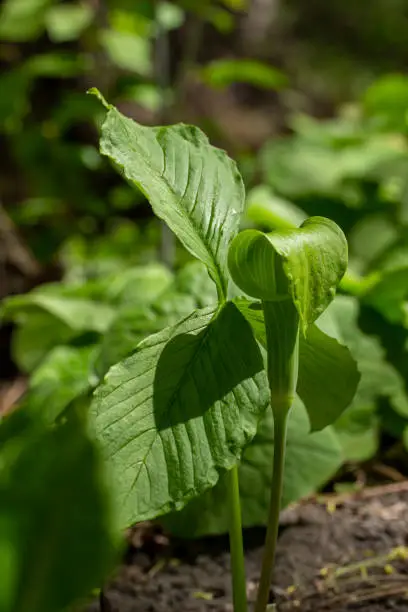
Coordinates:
305 264
194 187
180 410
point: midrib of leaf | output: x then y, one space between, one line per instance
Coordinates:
221 288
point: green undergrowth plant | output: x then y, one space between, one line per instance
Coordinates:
176 415
240 367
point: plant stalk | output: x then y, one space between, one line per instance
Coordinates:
268 561
282 338
236 544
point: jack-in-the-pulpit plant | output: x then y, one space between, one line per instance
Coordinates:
295 274
175 416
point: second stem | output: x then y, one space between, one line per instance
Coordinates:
282 339
236 544
268 560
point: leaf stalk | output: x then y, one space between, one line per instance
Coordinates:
236 544
282 338
268 561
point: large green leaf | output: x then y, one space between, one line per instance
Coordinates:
180 410
305 263
328 375
311 459
56 531
194 187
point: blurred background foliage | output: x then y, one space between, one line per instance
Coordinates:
310 98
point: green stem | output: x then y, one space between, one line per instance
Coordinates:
280 424
236 544
282 338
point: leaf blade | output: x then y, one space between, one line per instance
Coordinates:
194 187
305 263
35 526
328 377
169 420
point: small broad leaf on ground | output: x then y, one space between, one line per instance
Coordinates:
270 211
306 263
173 306
311 460
370 239
306 165
194 187
129 328
378 377
180 410
387 100
135 321
35 337
127 50
133 324
57 530
389 294
139 285
358 426
224 72
67 21
60 314
62 377
22 21
328 373
194 280
78 314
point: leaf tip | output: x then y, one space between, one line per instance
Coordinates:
93 91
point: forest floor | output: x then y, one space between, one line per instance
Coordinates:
349 552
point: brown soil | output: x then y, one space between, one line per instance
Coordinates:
329 559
